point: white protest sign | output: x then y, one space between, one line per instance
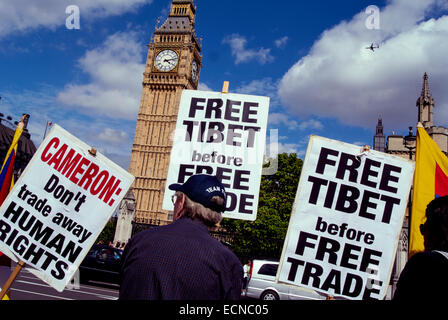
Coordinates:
59 206
346 220
221 134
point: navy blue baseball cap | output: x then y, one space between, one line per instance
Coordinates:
201 188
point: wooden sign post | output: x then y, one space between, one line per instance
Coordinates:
11 278
225 87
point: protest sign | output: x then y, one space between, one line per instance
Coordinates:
59 205
224 135
346 219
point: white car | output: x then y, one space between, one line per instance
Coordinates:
262 284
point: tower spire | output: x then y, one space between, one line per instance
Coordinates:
425 105
425 89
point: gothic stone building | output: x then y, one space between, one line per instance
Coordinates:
425 114
404 146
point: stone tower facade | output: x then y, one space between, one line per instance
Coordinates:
126 212
425 104
173 64
425 114
379 140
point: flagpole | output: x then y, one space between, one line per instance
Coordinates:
19 127
12 148
45 133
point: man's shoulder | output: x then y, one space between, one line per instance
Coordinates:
225 253
174 230
148 233
433 255
421 262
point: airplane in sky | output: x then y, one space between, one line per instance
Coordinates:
372 47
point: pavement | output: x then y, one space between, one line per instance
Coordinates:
28 287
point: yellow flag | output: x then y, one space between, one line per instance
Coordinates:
430 182
15 141
5 297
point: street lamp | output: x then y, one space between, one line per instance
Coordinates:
410 144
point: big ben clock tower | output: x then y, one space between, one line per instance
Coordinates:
172 65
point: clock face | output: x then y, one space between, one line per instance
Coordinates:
194 71
166 60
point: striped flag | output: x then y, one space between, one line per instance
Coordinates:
6 184
7 170
430 182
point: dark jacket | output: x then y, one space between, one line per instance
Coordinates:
424 277
179 261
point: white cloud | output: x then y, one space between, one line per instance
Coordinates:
282 119
25 15
274 145
202 86
281 43
311 124
242 54
261 87
288 148
282 148
341 79
115 69
113 136
14 104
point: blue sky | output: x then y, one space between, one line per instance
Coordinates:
308 56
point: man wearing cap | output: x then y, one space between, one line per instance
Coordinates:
181 261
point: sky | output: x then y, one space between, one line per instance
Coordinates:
309 57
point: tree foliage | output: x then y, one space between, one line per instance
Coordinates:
108 232
264 237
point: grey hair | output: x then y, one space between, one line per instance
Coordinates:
197 211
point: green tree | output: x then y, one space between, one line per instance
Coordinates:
108 232
264 237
